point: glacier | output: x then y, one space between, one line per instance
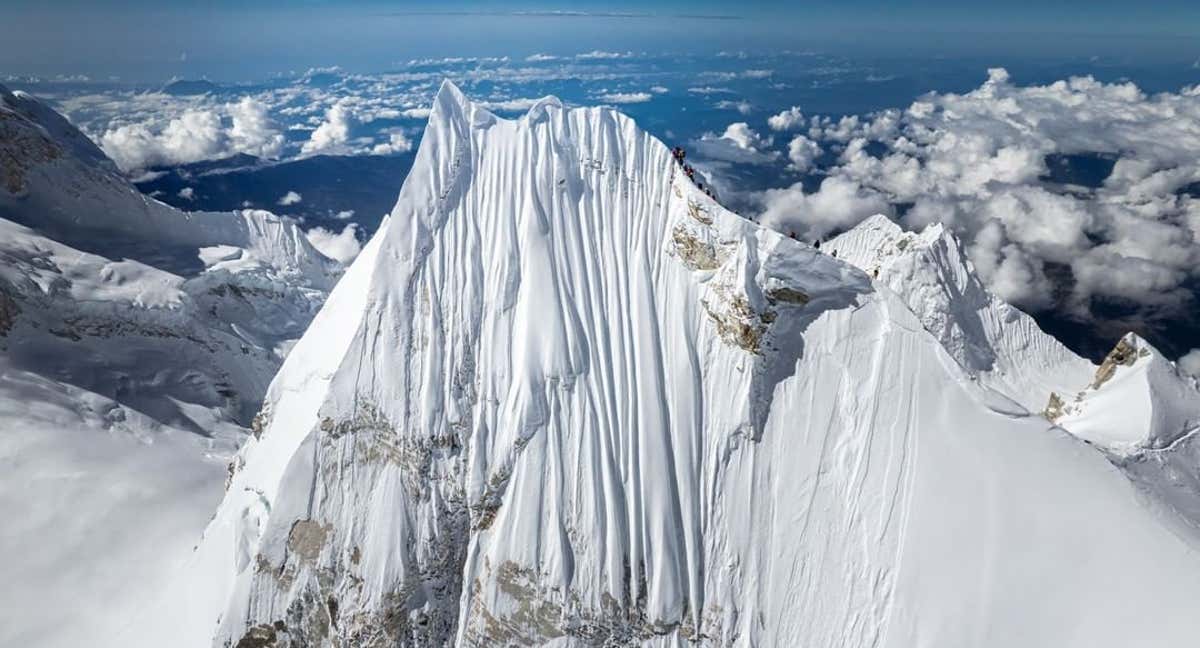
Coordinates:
565 398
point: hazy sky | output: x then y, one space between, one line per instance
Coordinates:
142 40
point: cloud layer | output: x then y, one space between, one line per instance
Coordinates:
200 134
978 162
340 246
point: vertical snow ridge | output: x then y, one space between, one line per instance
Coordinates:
578 401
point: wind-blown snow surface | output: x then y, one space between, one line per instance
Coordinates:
1137 399
136 343
563 397
1136 406
993 341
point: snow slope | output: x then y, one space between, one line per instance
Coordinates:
136 343
565 398
1137 399
1136 405
1145 413
993 341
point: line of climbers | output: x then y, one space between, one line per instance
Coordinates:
679 154
817 246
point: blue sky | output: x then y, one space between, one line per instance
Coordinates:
142 40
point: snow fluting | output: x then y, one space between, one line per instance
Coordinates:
565 398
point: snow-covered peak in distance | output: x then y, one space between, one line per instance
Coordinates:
993 341
563 397
57 182
136 343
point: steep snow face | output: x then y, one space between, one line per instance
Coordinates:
136 344
1136 406
563 397
1137 400
1145 413
995 342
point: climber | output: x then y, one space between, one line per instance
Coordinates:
817 244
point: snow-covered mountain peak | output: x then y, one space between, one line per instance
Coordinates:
1137 400
25 120
994 341
1130 351
1136 405
563 397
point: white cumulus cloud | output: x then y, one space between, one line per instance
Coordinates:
790 119
340 246
836 205
743 107
397 143
738 144
1190 362
625 97
334 132
290 198
199 133
980 163
252 130
803 152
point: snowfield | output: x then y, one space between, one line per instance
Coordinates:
564 398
